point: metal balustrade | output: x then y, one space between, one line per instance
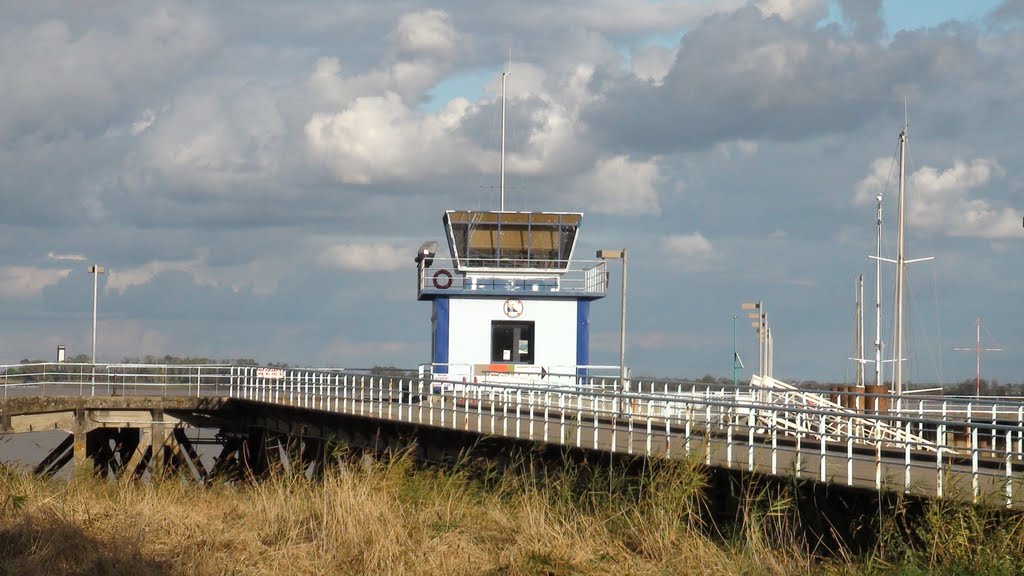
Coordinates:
968 448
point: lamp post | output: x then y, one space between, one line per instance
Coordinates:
95 270
737 362
761 327
620 255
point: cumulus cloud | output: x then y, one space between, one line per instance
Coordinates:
941 200
689 252
429 32
382 139
27 281
423 49
864 17
210 141
59 60
618 16
379 139
71 257
799 10
120 279
619 185
653 63
688 246
366 257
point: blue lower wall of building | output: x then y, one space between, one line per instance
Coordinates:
582 335
439 321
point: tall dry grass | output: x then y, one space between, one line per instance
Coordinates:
394 518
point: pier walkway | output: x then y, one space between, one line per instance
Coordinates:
970 449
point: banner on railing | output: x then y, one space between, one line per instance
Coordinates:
270 373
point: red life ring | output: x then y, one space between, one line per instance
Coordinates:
442 279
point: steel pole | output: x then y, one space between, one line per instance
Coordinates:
95 286
622 329
734 351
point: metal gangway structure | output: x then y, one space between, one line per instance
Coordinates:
965 448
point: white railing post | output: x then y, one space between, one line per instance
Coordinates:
668 427
974 461
821 434
775 442
728 444
849 451
561 418
906 460
519 412
1020 432
650 409
629 427
1009 468
533 407
799 439
480 410
940 437
751 427
423 398
686 431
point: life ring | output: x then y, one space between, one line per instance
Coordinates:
442 279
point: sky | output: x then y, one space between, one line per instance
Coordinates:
256 177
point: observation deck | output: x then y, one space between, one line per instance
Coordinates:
509 254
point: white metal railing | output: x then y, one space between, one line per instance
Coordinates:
510 276
934 445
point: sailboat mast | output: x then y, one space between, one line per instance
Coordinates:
859 374
977 358
897 379
501 185
878 293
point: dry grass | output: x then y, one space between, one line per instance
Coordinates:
390 518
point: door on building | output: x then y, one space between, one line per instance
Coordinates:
512 342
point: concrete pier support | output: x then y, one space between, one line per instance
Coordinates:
158 441
82 461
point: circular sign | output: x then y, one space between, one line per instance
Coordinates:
513 308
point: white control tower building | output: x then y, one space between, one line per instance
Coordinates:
511 303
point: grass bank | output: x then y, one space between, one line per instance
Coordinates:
393 518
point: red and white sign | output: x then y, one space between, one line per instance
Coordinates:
513 308
270 373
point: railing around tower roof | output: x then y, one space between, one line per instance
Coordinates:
509 276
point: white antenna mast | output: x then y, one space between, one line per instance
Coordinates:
501 187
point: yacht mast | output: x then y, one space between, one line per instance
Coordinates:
897 378
901 263
878 292
859 339
501 186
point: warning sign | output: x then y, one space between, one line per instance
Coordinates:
270 373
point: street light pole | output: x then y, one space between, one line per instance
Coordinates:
761 327
733 351
620 255
95 270
622 328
